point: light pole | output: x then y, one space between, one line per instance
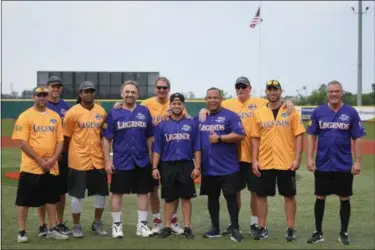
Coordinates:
359 65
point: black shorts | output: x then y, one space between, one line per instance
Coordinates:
62 184
35 190
339 183
212 185
95 181
135 181
285 179
247 176
176 181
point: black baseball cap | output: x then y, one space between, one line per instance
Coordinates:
243 80
87 85
54 80
177 95
273 83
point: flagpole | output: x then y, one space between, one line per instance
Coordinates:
259 50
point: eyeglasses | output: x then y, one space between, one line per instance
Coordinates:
273 82
241 86
162 87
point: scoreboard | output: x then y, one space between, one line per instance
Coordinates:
107 83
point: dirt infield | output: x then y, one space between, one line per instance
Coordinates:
7 142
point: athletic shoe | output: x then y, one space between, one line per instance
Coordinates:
188 233
63 229
236 235
143 230
261 234
53 233
165 232
97 227
344 238
22 237
77 231
117 230
228 231
254 229
213 233
176 229
157 226
290 234
316 237
43 231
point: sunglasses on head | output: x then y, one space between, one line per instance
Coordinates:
241 86
162 87
273 82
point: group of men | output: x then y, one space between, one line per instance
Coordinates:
232 143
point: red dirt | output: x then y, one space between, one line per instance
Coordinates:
7 142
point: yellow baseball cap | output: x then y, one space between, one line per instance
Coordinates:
39 90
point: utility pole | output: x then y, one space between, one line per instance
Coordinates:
359 65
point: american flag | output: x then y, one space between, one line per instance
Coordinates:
256 19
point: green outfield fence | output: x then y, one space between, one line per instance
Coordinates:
12 108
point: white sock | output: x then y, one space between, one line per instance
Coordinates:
174 216
116 216
254 220
142 216
157 216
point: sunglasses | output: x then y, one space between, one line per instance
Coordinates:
241 86
42 95
162 87
273 83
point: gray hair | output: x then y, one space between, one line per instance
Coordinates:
164 79
130 82
335 82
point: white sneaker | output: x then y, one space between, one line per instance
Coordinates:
117 231
143 230
176 229
157 227
22 237
56 234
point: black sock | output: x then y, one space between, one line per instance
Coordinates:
345 215
214 208
233 210
319 213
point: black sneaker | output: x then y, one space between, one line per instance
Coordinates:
43 231
63 229
261 234
213 233
188 233
254 229
236 235
316 237
165 232
228 231
290 234
344 238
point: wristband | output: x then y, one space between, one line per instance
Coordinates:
154 169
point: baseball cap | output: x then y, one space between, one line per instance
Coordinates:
87 85
54 80
273 83
242 80
177 95
39 90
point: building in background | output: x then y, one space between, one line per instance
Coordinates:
107 83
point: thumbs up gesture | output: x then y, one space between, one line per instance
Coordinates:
214 138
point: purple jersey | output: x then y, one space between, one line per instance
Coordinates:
59 107
177 140
220 158
129 131
335 131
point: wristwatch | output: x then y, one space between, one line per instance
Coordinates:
219 140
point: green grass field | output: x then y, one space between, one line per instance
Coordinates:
361 228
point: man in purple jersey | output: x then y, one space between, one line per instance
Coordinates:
130 130
176 143
335 124
55 103
220 133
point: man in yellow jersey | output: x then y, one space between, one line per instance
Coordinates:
277 139
159 107
244 105
82 128
39 132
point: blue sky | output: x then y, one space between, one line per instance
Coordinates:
195 44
